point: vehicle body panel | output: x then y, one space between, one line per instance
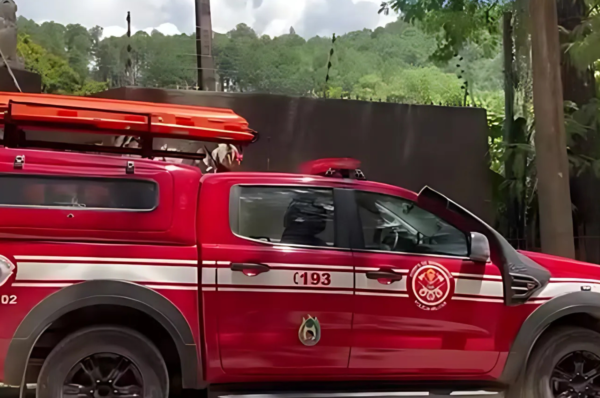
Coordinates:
246 327
394 335
259 316
155 249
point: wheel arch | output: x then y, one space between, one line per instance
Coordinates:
102 292
544 317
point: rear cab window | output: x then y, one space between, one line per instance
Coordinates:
79 193
284 215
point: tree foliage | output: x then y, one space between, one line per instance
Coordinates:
392 63
453 22
57 76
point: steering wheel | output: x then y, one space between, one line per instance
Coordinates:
385 237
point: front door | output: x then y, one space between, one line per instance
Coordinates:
284 284
422 306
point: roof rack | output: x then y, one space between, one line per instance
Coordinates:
26 112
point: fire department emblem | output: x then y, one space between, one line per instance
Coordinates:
310 331
6 269
431 285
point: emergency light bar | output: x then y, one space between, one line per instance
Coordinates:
334 167
20 112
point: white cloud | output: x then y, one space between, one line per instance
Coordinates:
272 17
110 31
165 28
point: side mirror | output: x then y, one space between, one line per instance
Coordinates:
479 250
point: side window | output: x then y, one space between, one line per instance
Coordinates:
85 193
290 215
397 225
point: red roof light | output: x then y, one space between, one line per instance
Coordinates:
333 167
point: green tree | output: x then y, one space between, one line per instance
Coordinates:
57 76
453 22
79 43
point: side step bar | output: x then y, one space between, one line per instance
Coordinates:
378 394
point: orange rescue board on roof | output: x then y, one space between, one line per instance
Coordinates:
85 114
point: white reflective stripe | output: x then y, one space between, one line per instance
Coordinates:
87 272
300 291
107 260
475 393
367 269
479 287
223 262
362 282
41 284
575 280
312 266
209 262
382 294
284 278
209 276
167 287
477 276
557 289
209 289
479 299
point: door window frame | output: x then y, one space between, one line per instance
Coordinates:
358 241
344 209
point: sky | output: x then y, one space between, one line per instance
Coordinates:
271 17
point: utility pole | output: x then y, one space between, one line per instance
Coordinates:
204 59
556 222
130 80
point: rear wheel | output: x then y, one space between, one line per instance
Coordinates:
565 364
104 362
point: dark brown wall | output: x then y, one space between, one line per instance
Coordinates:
28 82
406 145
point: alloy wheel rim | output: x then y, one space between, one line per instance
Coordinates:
576 375
103 376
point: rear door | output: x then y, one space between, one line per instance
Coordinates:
284 279
422 306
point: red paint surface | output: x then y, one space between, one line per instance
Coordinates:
250 335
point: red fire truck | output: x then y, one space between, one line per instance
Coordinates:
124 276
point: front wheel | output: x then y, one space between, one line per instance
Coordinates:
564 364
104 362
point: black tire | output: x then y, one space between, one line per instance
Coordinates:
114 341
553 348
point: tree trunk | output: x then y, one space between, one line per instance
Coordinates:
580 87
509 116
556 223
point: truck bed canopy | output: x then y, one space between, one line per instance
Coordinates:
20 113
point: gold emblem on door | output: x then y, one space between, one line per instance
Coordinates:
310 331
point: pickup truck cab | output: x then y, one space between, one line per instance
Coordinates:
132 277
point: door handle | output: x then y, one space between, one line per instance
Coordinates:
384 277
250 269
